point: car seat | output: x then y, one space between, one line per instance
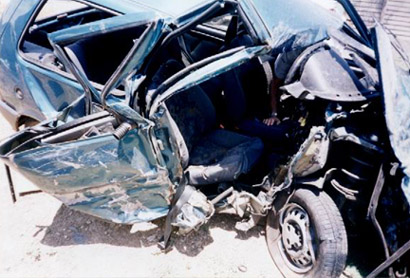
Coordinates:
214 154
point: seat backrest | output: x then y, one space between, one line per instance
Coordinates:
192 110
194 114
99 56
245 88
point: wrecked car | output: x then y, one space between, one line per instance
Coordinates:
126 113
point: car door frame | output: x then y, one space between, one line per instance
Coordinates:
45 109
137 129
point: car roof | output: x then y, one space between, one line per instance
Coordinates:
170 8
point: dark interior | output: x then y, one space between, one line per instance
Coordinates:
38 32
105 51
214 154
91 54
207 115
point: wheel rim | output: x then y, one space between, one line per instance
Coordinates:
295 244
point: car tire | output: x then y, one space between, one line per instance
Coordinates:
310 223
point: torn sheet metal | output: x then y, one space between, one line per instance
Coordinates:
248 206
118 180
171 144
312 155
194 213
134 59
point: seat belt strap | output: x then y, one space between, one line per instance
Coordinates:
186 58
75 60
268 74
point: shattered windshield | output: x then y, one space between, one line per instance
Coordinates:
291 26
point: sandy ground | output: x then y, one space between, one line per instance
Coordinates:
42 238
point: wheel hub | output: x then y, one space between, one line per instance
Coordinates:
296 242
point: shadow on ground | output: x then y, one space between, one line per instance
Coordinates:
71 227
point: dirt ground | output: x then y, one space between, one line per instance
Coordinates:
42 238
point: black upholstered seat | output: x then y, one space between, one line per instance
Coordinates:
215 154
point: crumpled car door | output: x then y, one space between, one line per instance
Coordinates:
92 166
105 164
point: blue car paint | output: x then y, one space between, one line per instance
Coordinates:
121 190
124 180
135 58
209 71
45 92
61 38
112 24
173 9
7 14
115 179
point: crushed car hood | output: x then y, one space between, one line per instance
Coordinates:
395 82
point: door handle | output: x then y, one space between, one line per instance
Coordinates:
19 94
